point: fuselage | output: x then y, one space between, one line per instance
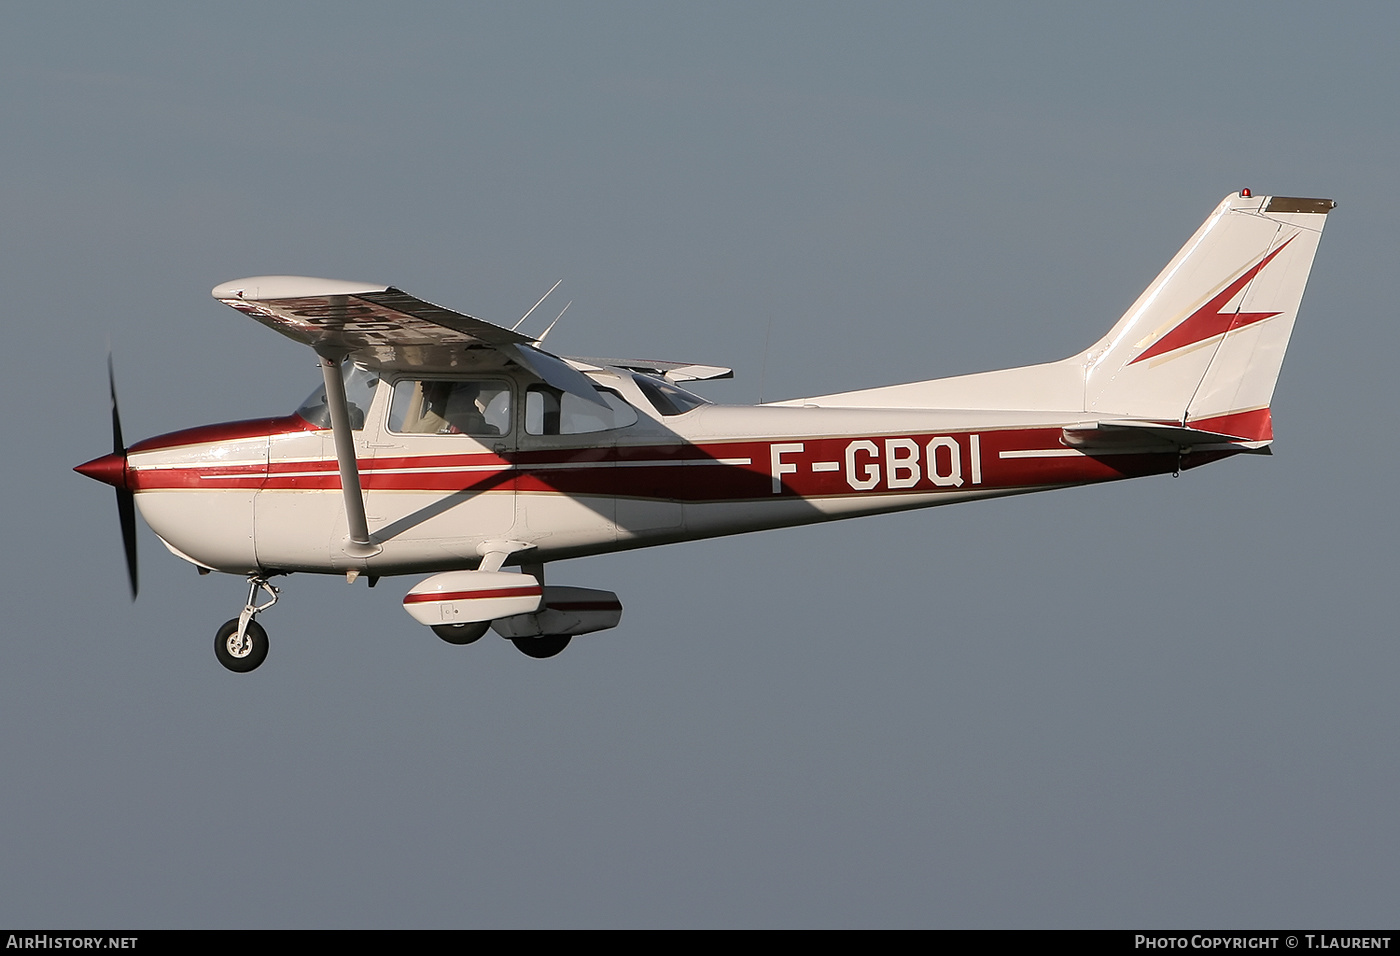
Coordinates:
265 496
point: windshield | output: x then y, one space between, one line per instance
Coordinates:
359 392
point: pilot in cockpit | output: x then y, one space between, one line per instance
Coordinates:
430 407
464 410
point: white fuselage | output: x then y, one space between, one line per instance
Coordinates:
265 496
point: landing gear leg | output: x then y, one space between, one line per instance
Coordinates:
241 644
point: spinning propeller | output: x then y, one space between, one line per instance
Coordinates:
111 469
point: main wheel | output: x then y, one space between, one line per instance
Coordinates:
241 658
462 633
541 647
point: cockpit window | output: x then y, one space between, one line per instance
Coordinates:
428 407
360 383
549 411
667 398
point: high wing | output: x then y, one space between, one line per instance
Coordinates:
376 325
671 371
382 327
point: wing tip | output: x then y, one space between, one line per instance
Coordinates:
290 287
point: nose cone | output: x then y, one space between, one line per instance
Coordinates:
109 469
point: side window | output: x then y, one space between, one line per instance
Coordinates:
549 411
667 398
433 407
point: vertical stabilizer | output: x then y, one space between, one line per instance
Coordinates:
1204 343
1202 346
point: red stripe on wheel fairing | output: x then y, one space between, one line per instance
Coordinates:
438 597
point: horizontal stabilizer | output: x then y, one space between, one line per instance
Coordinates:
1116 435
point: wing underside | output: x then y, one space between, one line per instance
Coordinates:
671 371
377 326
385 328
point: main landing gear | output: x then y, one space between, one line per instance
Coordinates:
541 647
536 647
241 644
462 633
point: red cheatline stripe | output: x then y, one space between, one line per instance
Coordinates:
226 431
1256 425
430 597
686 484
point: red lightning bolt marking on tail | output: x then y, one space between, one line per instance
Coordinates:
1209 321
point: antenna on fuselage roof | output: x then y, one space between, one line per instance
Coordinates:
554 323
536 306
763 372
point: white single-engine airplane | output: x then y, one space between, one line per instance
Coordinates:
444 445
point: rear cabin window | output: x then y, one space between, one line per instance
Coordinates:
549 411
667 398
480 408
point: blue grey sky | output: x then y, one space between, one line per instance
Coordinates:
1153 704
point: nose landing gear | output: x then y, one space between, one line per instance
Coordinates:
241 644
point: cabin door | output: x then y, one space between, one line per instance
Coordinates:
442 476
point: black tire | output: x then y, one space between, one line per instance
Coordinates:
462 633
255 642
541 647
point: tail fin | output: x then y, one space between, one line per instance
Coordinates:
1201 347
1204 343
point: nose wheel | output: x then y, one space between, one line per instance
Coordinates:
241 654
241 644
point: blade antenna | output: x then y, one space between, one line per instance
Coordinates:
554 323
763 374
535 306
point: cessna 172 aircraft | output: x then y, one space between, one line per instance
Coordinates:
441 444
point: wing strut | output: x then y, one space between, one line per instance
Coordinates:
358 545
